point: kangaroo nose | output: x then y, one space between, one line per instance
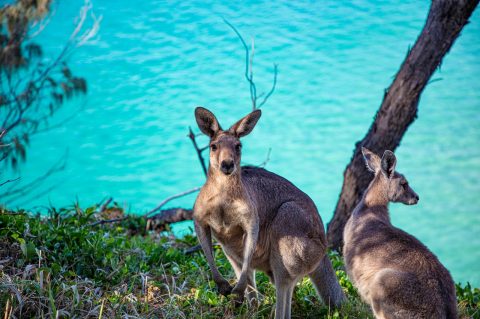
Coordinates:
227 167
417 198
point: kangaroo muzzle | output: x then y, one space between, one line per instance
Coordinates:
227 167
414 200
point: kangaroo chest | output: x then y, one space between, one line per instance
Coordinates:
228 218
229 225
224 225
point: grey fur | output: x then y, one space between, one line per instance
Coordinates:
393 271
262 221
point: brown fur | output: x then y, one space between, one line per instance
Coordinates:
261 220
393 271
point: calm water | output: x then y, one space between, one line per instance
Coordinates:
152 63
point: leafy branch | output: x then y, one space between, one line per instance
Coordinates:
32 88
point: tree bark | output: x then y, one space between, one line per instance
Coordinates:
159 221
399 107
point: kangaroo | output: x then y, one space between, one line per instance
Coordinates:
261 220
393 271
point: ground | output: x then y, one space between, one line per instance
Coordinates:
62 266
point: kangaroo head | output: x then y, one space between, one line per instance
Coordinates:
225 146
393 184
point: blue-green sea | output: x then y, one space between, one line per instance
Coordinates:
153 62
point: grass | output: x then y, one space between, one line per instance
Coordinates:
60 266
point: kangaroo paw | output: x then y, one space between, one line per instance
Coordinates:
239 293
224 288
238 299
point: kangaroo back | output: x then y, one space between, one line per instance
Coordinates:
393 271
269 191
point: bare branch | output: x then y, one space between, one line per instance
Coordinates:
107 221
89 33
193 249
199 151
196 248
29 199
267 159
42 23
249 54
275 72
105 205
59 123
14 193
248 71
9 181
170 198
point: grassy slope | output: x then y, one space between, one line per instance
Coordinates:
61 266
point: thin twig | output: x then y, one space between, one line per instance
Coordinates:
193 249
15 193
248 70
106 221
249 54
196 248
36 196
267 159
9 181
170 198
60 123
275 73
199 150
105 205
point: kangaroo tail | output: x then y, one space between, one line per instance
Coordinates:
326 283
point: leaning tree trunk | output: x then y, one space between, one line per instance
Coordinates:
399 107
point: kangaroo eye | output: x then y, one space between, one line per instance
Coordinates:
213 147
238 147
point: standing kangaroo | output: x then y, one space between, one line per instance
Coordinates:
261 220
393 271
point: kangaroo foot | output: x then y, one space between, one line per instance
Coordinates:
224 288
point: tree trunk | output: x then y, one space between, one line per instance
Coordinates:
399 107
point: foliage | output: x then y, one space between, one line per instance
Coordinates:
32 88
469 300
61 265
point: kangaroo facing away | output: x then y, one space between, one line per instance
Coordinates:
261 220
392 270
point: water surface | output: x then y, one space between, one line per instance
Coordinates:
154 61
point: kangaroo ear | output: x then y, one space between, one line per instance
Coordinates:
207 122
389 161
246 125
371 159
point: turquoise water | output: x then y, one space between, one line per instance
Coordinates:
152 63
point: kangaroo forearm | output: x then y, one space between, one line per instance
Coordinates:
250 245
205 239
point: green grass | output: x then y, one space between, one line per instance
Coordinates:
60 266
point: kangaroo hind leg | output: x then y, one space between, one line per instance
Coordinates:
326 283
